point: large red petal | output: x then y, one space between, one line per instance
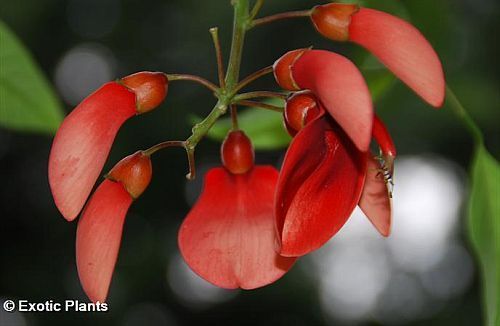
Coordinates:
228 237
341 89
98 238
82 144
403 49
319 186
375 200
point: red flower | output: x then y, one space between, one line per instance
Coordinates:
395 42
337 84
324 176
99 231
82 143
228 238
325 168
320 183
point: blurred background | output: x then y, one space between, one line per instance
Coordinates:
424 274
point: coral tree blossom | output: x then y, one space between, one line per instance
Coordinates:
250 223
228 237
327 169
83 141
395 42
99 231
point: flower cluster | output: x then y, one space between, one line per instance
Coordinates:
252 222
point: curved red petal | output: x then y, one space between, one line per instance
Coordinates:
98 238
403 49
375 200
319 186
82 144
228 237
341 89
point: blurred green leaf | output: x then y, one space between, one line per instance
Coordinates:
27 101
265 128
484 227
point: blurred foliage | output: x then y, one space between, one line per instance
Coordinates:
27 101
484 227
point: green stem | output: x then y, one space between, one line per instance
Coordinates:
240 26
464 116
226 93
201 129
256 94
256 8
260 105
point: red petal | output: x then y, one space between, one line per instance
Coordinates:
82 144
403 49
98 238
341 89
228 238
319 186
375 201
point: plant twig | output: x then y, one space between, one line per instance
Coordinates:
197 79
214 31
252 77
284 15
260 105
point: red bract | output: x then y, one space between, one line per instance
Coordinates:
82 143
320 184
228 237
375 200
300 108
337 84
395 42
99 231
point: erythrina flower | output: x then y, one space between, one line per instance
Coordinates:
337 84
395 42
99 231
324 176
82 143
228 237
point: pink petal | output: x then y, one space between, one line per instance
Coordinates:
82 144
403 49
375 200
319 186
341 89
229 238
98 238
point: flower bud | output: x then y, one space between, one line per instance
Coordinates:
150 89
237 152
133 172
332 20
283 69
300 108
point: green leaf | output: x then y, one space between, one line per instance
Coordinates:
484 227
27 101
265 128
